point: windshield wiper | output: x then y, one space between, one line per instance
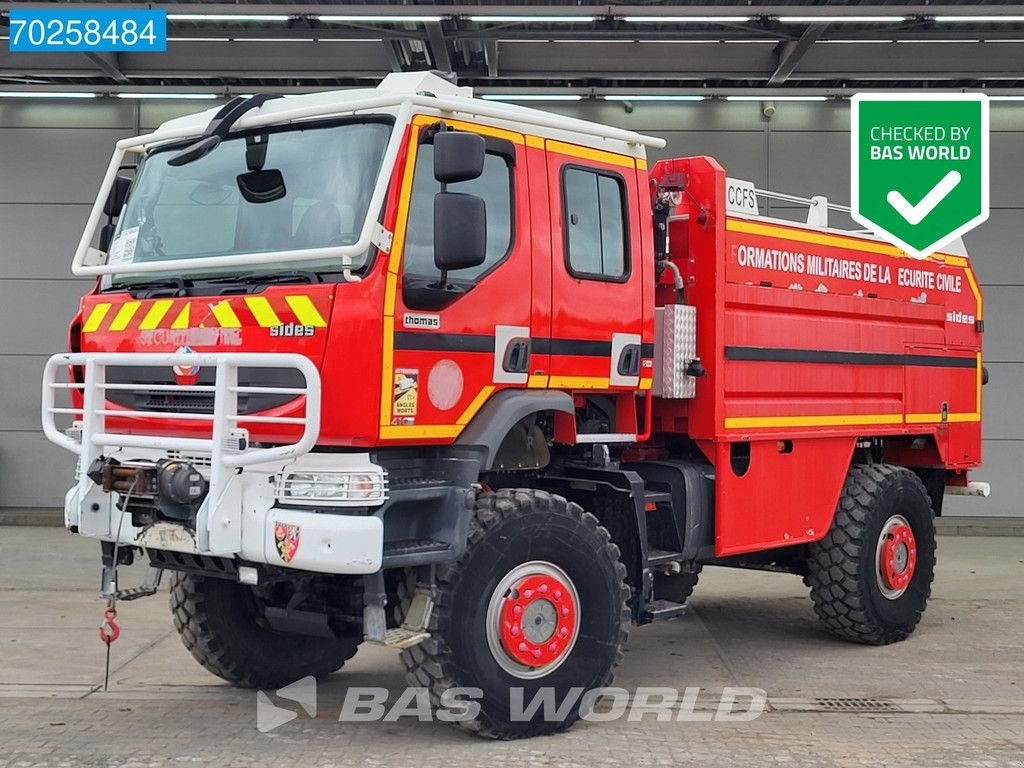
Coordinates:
261 278
180 284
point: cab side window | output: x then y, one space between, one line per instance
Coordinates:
594 218
494 186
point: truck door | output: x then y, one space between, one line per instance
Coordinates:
596 275
454 346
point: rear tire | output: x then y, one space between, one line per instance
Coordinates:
220 625
871 576
538 600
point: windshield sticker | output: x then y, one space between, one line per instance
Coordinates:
406 395
122 250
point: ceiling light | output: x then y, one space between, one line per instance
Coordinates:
531 97
773 97
841 19
686 19
532 19
47 95
979 19
925 40
1006 98
379 19
199 39
655 97
226 17
155 95
274 39
858 42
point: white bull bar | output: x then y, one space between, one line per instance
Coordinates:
216 531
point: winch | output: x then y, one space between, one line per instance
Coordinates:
164 489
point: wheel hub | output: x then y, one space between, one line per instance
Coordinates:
533 619
896 557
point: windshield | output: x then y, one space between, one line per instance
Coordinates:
279 190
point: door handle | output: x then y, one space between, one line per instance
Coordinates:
629 360
517 356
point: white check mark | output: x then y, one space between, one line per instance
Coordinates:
916 213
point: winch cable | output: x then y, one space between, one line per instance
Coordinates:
109 629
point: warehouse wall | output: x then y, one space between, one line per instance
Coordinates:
53 154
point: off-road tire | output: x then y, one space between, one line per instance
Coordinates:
841 568
219 624
676 587
509 528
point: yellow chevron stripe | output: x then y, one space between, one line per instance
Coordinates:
304 310
181 321
262 311
124 315
95 318
156 314
225 315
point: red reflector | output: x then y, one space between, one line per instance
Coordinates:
650 506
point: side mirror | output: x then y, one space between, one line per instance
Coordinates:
106 235
116 197
458 156
460 232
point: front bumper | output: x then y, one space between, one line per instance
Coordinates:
242 515
269 533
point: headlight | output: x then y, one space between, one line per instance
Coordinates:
333 488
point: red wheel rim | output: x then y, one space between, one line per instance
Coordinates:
537 620
897 556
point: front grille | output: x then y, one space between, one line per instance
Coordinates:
199 402
184 402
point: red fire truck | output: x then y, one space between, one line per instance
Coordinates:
471 380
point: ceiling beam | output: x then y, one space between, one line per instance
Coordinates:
438 47
491 57
392 49
790 53
468 9
109 64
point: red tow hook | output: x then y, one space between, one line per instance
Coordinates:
109 630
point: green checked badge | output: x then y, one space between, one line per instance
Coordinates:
919 167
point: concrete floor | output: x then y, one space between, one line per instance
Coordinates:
953 695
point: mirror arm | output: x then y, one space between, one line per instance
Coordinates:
442 281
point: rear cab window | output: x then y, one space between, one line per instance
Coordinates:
594 215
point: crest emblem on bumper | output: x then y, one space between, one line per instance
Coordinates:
287 535
185 374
